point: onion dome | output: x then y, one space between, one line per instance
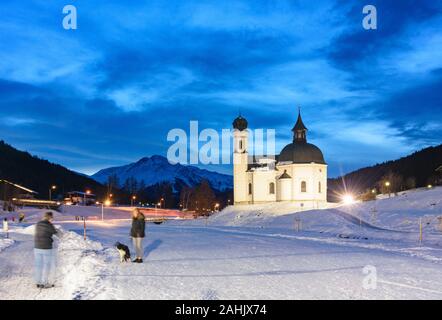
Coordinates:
240 123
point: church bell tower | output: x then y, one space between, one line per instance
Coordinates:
240 160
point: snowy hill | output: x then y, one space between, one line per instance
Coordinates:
400 213
156 169
37 174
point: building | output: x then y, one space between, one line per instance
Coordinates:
80 198
10 190
13 195
298 174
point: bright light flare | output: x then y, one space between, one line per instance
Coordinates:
348 199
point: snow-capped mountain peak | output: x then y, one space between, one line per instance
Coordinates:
157 169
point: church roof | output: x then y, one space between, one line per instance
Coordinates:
299 124
285 175
301 153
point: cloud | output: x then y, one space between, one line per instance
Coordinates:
110 91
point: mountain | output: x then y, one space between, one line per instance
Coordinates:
157 169
415 170
38 174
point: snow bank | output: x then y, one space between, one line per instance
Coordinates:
30 230
81 262
4 243
404 211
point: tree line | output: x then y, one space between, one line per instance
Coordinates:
201 198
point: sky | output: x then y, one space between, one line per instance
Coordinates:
108 93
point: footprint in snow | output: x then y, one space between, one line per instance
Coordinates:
210 294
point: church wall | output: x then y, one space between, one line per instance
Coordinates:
261 186
311 174
284 190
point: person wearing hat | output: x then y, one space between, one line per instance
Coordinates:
43 251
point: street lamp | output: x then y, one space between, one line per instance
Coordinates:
387 184
88 192
50 192
132 200
106 203
348 199
162 202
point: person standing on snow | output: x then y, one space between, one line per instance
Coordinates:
6 227
137 233
43 251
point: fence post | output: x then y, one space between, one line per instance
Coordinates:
84 227
420 231
297 224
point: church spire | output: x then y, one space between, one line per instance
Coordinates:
299 130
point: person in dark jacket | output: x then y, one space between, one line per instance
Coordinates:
137 233
43 252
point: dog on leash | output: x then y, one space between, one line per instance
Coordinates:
124 252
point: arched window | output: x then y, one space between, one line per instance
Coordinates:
319 187
250 188
272 188
240 145
303 186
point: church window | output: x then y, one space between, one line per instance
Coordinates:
303 186
240 144
319 187
272 188
250 188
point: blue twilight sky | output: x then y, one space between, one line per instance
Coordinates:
107 93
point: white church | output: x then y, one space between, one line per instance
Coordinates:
298 174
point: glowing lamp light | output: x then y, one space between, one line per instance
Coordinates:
107 203
429 186
348 199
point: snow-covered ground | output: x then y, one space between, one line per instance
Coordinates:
246 252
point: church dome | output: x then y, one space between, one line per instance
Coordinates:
301 153
240 123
